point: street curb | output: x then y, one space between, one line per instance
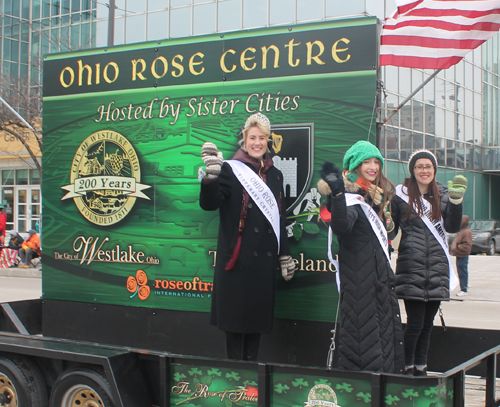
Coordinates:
19 272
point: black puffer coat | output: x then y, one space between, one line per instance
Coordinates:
422 271
370 333
243 297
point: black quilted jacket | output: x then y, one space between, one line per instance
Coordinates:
422 271
370 332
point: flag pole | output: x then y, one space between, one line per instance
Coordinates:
393 112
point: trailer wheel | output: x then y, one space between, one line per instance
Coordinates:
83 387
21 383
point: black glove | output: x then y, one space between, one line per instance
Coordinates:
332 175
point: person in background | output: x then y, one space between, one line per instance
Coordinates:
370 330
3 224
461 248
424 209
8 254
16 240
252 243
30 249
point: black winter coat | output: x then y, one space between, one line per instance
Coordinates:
243 297
422 270
370 333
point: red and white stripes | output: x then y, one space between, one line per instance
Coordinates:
437 34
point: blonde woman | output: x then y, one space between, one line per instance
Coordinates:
252 243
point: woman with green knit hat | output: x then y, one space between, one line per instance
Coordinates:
370 331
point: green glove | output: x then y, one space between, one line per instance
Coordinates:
457 188
390 223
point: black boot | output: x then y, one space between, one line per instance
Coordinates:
420 373
409 371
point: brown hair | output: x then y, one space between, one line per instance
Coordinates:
415 202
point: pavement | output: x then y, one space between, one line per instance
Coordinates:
480 309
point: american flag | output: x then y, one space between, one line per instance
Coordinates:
437 34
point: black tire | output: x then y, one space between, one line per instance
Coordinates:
81 386
21 382
491 250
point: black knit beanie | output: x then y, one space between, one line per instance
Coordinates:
418 154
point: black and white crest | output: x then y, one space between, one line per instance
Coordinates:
292 153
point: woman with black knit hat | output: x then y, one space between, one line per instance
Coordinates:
370 330
252 244
424 209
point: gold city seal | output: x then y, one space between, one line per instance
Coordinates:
321 395
105 178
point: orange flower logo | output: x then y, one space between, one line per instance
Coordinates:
138 285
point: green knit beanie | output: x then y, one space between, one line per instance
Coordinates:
360 152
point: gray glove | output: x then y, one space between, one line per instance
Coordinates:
287 267
212 158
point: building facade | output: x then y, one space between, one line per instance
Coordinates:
456 115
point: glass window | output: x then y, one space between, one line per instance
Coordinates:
22 177
450 153
478 131
75 37
157 5
468 102
25 9
439 123
8 177
204 19
391 78
478 104
309 10
417 78
405 145
35 196
75 5
254 13
16 8
460 153
65 7
478 79
157 25
417 141
451 121
120 8
391 103
405 86
418 116
176 3
21 198
136 7
430 142
45 9
227 10
392 142
102 33
335 8
460 98
34 177
281 11
430 119
135 30
461 127
102 10
35 9
440 151
180 22
440 92
86 4
119 37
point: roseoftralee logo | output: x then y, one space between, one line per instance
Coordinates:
138 285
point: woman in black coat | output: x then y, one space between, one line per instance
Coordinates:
424 209
251 246
370 331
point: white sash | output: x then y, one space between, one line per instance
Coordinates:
436 228
260 193
376 223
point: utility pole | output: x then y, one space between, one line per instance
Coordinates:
111 23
